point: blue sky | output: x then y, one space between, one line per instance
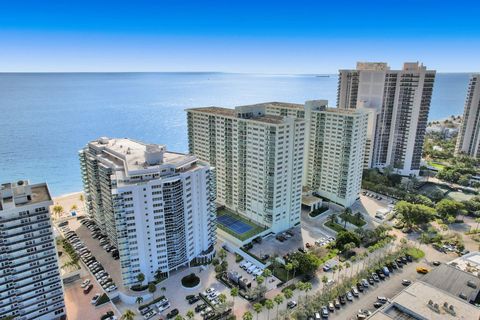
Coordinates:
237 36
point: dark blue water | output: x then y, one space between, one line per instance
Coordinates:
46 118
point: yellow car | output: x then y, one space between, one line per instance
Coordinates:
422 270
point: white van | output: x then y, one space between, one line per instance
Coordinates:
250 270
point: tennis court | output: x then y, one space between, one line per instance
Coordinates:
234 224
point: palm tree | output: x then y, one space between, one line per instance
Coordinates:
267 273
288 293
247 316
234 293
140 277
295 266
258 308
190 314
307 287
347 266
74 207
152 288
128 315
139 300
300 286
222 298
347 212
324 281
269 306
57 209
278 300
222 254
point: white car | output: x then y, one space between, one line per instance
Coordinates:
111 288
247 265
163 307
85 283
95 298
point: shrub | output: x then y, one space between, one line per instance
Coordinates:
190 281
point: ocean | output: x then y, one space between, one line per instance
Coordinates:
46 118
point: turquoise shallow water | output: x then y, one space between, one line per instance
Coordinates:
46 118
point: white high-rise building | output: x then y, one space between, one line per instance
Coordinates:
157 207
258 160
468 140
30 283
334 148
398 102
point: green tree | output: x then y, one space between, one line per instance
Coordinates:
288 267
258 308
307 263
128 315
288 293
247 316
222 298
413 214
190 314
222 254
260 280
450 208
152 288
140 277
139 300
234 294
57 209
178 317
307 287
268 306
278 301
344 237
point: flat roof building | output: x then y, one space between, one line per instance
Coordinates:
423 301
157 207
258 159
30 283
398 102
468 140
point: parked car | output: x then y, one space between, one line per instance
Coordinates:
324 312
172 314
88 289
85 283
95 298
349 296
337 304
331 306
291 304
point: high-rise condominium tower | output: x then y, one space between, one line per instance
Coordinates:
468 139
334 148
258 160
157 207
30 284
398 102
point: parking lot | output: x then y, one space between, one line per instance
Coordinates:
79 304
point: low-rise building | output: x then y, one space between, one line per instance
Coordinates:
423 301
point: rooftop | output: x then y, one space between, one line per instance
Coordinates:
287 105
226 112
421 301
469 263
21 193
138 156
454 281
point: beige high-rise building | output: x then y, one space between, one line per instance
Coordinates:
468 140
258 160
398 102
334 148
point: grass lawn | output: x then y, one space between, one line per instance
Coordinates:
334 226
256 229
331 254
416 253
359 222
435 165
280 273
